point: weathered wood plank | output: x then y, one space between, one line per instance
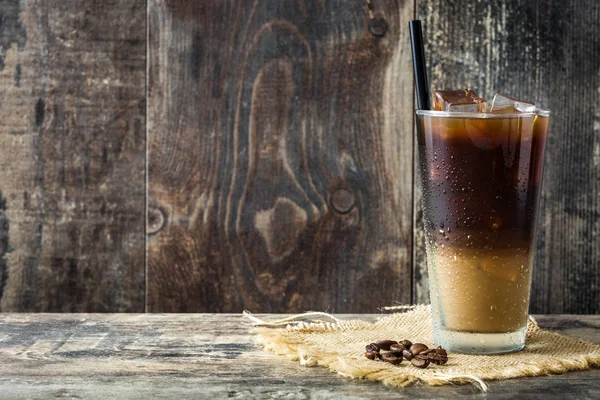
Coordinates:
280 163
548 52
213 356
286 381
72 159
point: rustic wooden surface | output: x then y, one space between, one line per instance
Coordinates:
280 145
214 356
548 52
280 155
72 159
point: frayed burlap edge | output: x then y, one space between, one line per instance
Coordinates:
281 338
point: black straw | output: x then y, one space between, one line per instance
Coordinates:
419 64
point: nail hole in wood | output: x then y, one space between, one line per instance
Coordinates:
377 27
342 201
156 220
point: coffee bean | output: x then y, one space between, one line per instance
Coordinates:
438 356
417 348
398 347
417 353
392 358
385 344
436 359
372 347
419 363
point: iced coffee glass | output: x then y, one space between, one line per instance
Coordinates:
481 174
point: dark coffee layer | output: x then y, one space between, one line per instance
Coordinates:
481 179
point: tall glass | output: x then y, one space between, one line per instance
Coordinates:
481 176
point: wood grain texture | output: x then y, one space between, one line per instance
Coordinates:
72 159
214 356
280 155
547 52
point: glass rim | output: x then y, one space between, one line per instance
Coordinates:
449 114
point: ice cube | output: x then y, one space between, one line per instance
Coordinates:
504 264
503 104
464 100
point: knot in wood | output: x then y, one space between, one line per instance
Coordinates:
377 27
156 220
342 201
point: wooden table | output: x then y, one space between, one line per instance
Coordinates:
212 356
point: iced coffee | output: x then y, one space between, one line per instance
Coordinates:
481 168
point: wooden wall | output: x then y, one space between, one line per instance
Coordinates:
179 155
282 182
72 155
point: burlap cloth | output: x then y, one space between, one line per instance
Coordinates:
320 339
